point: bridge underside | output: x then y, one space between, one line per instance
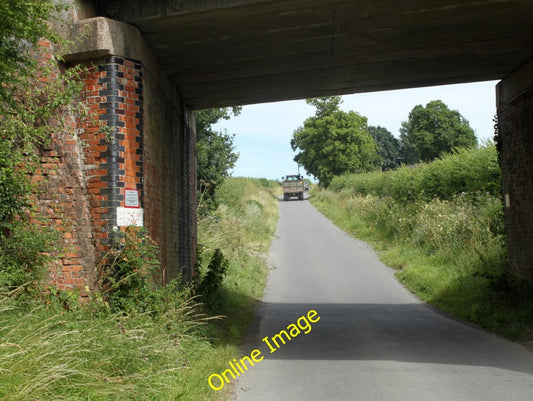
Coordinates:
231 52
155 60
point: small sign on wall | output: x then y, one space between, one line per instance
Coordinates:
131 198
129 217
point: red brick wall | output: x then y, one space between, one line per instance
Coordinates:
136 136
112 142
86 169
170 178
515 125
63 202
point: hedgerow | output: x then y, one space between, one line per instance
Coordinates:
442 225
466 171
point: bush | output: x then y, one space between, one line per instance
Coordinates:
212 280
463 224
127 271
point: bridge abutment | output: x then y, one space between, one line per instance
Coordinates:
515 129
137 148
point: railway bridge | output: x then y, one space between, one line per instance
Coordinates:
151 63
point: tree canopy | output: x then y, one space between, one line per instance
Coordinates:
388 147
325 105
334 142
216 153
433 131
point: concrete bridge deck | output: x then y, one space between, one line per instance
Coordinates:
222 53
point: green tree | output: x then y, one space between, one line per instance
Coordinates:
334 142
325 105
388 147
216 153
433 131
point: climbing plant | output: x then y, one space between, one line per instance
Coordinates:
32 95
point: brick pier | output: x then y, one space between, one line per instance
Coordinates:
129 161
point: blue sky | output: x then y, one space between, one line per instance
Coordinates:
263 131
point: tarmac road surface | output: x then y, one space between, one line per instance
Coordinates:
373 341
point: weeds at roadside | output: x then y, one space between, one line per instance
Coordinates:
242 228
133 340
89 352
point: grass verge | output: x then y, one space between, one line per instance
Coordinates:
52 347
242 227
449 253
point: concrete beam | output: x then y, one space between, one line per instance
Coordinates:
225 52
97 37
515 84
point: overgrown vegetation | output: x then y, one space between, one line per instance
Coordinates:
241 229
127 272
216 153
33 94
88 352
133 339
442 226
130 339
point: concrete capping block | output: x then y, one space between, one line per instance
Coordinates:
514 84
99 37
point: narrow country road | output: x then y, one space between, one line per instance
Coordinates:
374 341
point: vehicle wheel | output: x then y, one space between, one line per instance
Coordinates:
301 196
285 197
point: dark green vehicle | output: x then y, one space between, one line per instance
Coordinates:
293 186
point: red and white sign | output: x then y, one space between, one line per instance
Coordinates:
131 198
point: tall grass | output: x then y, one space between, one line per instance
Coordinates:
52 347
49 353
242 228
442 225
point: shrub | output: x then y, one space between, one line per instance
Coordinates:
463 224
127 270
212 280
